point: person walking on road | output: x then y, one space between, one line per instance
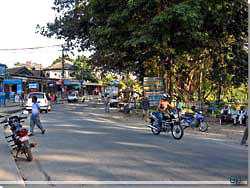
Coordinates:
145 107
51 98
55 98
35 117
106 103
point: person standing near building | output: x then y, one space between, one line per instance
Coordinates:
51 99
35 117
55 98
21 99
145 107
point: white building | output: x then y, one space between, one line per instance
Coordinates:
55 71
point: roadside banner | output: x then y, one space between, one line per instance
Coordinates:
153 88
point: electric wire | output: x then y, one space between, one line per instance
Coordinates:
29 48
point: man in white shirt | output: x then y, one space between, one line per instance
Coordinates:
242 114
35 117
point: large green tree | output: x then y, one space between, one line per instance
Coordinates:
183 37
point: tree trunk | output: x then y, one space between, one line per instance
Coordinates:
219 93
165 81
170 91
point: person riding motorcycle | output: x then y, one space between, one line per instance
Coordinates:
164 104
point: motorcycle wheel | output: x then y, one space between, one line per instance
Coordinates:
27 152
177 131
154 131
203 126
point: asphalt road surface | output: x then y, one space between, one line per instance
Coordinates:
81 144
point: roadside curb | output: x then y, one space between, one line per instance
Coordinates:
11 111
11 166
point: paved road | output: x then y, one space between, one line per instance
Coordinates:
81 144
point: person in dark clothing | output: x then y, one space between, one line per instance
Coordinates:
245 135
55 98
145 107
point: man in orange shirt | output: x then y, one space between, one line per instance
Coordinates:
163 105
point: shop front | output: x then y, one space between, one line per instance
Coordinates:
12 88
33 87
2 76
72 86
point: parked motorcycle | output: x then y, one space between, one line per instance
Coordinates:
169 124
194 121
19 136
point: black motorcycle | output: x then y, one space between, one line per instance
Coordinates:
170 123
19 136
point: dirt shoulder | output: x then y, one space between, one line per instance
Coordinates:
215 130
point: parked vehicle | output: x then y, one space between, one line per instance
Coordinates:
112 91
19 136
73 97
194 121
169 124
114 101
41 99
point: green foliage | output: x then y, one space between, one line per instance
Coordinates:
85 70
174 38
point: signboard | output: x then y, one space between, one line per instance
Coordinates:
2 70
153 88
51 84
33 86
114 82
58 83
112 90
10 81
19 89
66 82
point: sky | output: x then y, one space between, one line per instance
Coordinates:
18 21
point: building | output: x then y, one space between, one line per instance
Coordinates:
30 65
2 75
55 71
29 78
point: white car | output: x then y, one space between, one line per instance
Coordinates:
41 99
72 97
114 101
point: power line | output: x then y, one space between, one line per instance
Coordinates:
32 48
30 52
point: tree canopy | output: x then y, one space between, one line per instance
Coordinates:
195 45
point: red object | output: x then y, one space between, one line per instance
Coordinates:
22 133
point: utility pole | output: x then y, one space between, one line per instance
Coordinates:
63 62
